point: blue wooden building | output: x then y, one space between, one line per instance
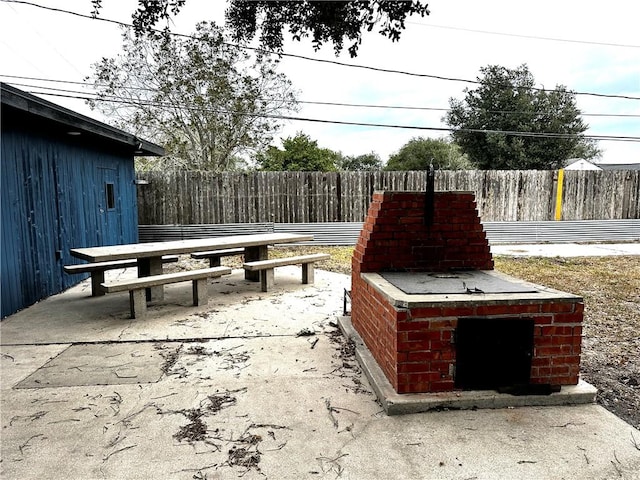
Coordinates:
66 181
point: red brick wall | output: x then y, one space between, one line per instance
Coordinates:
425 352
557 344
395 238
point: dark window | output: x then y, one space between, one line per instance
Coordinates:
111 196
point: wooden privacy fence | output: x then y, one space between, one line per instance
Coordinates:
182 198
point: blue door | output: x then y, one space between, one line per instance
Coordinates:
109 208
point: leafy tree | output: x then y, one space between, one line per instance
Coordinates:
419 153
507 123
323 21
299 153
207 103
367 162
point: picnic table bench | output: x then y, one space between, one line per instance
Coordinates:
266 267
97 269
214 256
137 286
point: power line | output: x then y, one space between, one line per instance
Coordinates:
313 102
47 42
444 27
531 37
69 12
440 109
319 60
434 77
382 125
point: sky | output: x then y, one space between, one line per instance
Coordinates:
585 45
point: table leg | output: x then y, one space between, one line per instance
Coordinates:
251 254
151 266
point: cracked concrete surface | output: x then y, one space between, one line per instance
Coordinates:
257 385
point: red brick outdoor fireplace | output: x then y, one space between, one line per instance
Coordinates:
436 317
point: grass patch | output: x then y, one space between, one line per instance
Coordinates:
340 261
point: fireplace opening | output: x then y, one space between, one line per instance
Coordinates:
492 354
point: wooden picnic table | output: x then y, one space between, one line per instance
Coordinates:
149 255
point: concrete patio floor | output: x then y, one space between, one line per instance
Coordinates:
254 385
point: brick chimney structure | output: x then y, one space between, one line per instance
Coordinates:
416 339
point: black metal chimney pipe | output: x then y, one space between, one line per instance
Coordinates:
429 198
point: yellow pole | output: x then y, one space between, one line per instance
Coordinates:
558 215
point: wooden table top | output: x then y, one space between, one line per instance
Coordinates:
177 247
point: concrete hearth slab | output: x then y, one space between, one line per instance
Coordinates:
398 404
526 292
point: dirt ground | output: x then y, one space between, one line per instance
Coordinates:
610 287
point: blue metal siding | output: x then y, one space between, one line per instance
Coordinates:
53 199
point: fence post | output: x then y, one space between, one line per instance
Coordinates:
558 212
